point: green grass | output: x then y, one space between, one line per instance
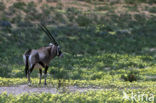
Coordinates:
99 43
89 97
110 91
99 48
109 78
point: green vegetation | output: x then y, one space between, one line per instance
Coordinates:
2 6
106 44
89 97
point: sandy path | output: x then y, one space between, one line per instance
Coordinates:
20 89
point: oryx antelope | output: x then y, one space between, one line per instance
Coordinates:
40 58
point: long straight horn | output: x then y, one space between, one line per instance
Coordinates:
50 35
46 32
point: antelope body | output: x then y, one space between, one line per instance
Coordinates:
40 58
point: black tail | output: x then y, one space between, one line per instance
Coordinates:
27 54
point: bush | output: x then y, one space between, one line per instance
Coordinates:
2 6
139 1
152 10
24 24
131 76
89 1
72 10
5 70
52 0
59 73
5 24
16 19
101 8
19 5
17 73
46 10
72 13
59 5
83 21
30 7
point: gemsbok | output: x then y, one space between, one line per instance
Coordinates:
40 58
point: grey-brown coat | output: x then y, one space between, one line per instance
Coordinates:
40 58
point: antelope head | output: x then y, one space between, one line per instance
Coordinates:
54 42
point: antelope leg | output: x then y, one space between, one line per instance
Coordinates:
29 71
45 75
40 70
28 76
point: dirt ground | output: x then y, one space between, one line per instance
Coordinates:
21 89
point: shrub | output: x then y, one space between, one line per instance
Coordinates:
59 5
24 24
152 10
131 76
139 1
5 70
59 73
39 1
2 6
83 20
101 8
52 0
17 73
30 7
16 19
73 10
45 10
151 1
89 1
19 5
72 13
11 10
5 24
